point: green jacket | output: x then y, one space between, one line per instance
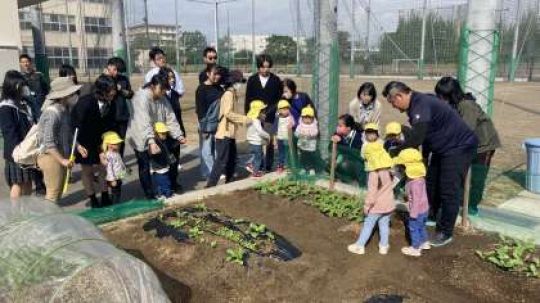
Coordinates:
481 123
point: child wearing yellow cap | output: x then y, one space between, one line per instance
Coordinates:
283 123
417 200
256 137
160 163
393 137
379 202
307 133
114 165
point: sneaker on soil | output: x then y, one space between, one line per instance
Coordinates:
312 172
249 168
425 246
440 239
431 223
302 171
258 174
411 251
356 249
383 250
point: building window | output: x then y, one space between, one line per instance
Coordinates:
24 20
97 57
97 1
97 25
58 23
60 55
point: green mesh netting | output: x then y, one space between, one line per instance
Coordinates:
120 211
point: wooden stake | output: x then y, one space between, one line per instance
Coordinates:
465 209
333 165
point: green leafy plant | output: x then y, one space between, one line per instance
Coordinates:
236 255
327 202
178 223
259 230
195 232
513 255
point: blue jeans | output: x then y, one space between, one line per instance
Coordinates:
282 152
256 157
206 153
163 184
369 224
417 230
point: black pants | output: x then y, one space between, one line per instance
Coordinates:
143 162
173 170
225 162
445 180
122 129
116 191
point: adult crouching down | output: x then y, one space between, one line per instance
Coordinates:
149 107
55 135
94 115
440 131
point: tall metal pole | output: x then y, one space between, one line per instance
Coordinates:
353 39
513 60
228 42
146 24
298 18
70 51
128 43
176 37
216 26
367 66
42 64
253 65
422 42
118 33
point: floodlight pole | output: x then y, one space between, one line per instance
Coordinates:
176 36
513 60
353 23
253 65
422 42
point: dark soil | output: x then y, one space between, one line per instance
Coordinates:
326 271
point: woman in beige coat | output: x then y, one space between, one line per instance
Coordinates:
365 108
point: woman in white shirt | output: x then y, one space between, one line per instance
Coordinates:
365 108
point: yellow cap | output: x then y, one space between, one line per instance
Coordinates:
371 126
393 128
161 128
255 108
283 104
411 158
308 111
376 156
110 137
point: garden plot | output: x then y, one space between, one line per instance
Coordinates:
196 270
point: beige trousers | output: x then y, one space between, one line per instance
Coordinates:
93 179
53 176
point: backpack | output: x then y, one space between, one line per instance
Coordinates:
209 123
27 152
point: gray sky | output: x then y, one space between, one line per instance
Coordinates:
274 16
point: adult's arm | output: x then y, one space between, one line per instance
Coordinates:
414 137
375 116
260 131
179 88
172 122
469 113
10 129
250 92
199 99
48 124
126 90
227 102
141 119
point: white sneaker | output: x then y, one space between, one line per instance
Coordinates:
411 251
356 249
383 250
179 168
312 172
425 246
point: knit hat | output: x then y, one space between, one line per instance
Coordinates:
376 156
393 128
308 111
283 104
255 108
372 126
411 158
110 137
161 128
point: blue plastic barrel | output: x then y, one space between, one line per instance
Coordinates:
532 182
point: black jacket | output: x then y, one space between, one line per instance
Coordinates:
124 94
15 124
87 117
165 158
270 94
204 96
174 99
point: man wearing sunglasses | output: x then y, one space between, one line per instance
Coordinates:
450 143
210 58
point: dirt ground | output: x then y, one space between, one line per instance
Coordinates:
326 271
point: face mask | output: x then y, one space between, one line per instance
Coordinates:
237 86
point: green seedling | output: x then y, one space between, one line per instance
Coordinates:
177 223
513 255
213 244
195 232
236 255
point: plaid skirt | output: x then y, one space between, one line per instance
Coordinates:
15 174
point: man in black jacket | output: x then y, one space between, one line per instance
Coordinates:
93 115
442 133
210 58
267 87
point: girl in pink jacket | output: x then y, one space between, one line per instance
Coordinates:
379 202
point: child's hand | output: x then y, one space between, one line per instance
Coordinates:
114 183
182 140
367 208
154 149
336 139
